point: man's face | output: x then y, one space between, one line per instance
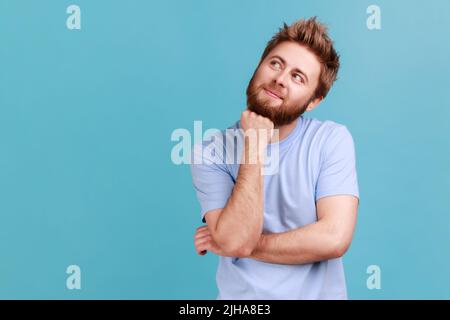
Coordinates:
282 87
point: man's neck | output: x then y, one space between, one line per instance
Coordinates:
284 131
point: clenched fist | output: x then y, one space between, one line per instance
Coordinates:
258 132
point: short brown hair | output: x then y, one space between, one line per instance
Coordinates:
313 35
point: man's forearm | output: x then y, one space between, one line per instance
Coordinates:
239 226
312 243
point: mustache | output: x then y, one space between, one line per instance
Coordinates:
273 90
252 91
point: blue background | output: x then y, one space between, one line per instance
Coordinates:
86 118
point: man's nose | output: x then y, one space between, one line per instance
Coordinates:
280 79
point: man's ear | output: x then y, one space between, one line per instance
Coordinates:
314 103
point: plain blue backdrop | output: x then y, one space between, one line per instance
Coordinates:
86 118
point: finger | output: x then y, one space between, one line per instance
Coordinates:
203 247
203 240
201 236
199 231
202 233
202 227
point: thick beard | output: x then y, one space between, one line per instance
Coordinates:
280 116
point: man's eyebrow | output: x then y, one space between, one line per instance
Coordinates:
296 69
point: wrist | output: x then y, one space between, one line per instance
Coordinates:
258 247
254 154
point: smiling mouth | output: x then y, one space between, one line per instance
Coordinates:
272 94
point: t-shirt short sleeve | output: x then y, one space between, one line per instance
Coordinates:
213 183
337 174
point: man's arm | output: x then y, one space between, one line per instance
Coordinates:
328 238
237 227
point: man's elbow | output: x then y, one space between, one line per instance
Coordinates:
240 251
234 247
339 247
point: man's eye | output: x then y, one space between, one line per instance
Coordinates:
298 77
275 64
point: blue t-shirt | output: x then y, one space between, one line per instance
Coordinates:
315 160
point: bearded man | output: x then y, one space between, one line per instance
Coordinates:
283 235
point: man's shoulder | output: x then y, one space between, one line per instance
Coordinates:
325 134
330 139
325 126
